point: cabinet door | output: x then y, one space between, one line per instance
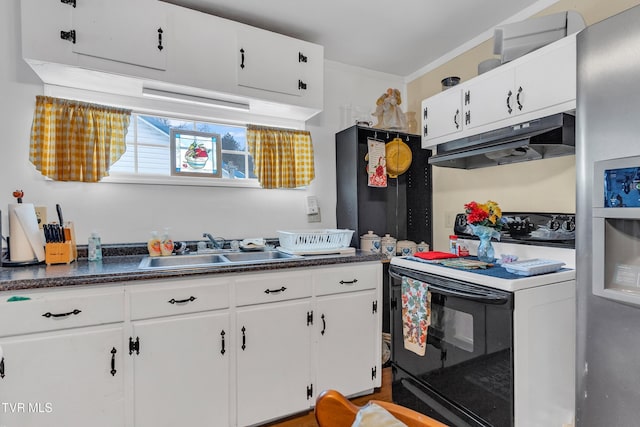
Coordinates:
442 115
273 347
181 371
127 31
491 98
270 61
345 328
547 80
72 378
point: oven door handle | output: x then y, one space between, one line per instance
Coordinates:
482 297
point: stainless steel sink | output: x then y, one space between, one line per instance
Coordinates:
210 260
182 261
236 257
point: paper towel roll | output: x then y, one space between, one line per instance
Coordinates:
26 242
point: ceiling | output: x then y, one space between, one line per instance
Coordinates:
396 37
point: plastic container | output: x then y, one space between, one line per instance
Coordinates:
453 244
532 267
166 246
315 239
154 245
94 247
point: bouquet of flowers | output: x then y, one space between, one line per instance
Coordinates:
487 214
485 220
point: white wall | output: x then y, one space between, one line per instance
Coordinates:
128 212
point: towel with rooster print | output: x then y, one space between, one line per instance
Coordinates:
416 314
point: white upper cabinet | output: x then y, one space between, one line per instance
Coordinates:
536 85
133 32
123 46
269 61
442 114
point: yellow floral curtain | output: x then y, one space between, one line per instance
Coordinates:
282 158
76 141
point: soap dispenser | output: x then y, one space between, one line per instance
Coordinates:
154 245
94 248
166 246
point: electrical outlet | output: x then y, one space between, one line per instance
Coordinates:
314 217
312 206
449 219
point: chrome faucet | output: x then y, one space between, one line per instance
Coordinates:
215 241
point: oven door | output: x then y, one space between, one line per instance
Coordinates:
465 377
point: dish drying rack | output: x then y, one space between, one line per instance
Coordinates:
316 242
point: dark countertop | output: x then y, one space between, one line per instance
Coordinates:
118 269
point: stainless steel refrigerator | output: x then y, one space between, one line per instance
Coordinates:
608 222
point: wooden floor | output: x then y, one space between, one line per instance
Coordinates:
308 420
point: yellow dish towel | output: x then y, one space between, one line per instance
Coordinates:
416 314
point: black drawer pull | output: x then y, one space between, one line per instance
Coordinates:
182 301
222 350
2 368
74 312
348 282
275 291
113 361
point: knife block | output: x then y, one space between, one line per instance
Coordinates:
62 252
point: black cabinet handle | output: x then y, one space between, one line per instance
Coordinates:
2 368
348 282
426 130
244 338
324 325
113 361
134 345
518 98
74 312
242 58
509 109
68 36
222 350
301 57
302 85
467 117
69 2
455 119
160 47
275 291
425 113
182 301
467 97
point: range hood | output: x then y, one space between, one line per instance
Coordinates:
551 136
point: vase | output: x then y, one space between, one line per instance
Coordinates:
486 252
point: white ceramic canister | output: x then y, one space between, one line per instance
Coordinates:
406 247
370 242
388 246
422 247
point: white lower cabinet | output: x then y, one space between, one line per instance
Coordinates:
348 328
345 328
68 378
228 350
61 360
180 353
181 371
273 348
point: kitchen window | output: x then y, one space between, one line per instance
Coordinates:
149 152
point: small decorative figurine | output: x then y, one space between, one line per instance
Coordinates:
388 111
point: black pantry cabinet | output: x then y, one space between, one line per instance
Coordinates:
403 209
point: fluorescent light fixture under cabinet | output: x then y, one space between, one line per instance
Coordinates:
193 99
